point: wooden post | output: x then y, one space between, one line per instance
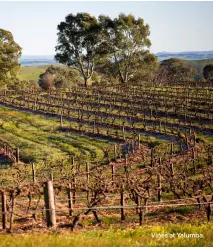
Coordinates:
208 212
73 163
160 126
73 186
94 127
123 132
4 210
159 187
139 141
122 203
172 148
133 146
12 211
73 160
87 171
159 161
51 176
172 169
140 211
181 146
33 173
61 121
115 152
49 204
126 164
193 160
113 172
187 142
70 202
17 155
152 157
194 138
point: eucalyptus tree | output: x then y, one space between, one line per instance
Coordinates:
10 52
79 38
126 46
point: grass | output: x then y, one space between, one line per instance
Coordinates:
39 138
181 210
141 236
31 73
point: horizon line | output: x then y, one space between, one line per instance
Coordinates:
151 52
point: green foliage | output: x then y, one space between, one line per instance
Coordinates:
208 72
125 47
10 51
175 69
59 77
78 41
115 48
46 81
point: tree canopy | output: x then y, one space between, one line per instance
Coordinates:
175 70
78 43
125 46
208 72
10 51
59 77
118 46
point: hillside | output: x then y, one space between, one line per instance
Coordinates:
107 146
33 66
31 73
200 64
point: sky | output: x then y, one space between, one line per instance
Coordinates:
174 26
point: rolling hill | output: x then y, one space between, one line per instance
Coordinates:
31 72
200 64
33 66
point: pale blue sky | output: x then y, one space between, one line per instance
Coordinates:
174 26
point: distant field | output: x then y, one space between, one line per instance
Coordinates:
31 73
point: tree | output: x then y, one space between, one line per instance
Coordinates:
175 70
46 81
126 46
208 72
61 77
10 51
78 43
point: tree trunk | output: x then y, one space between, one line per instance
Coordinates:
85 82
